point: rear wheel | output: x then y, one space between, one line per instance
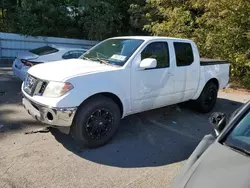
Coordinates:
96 122
207 99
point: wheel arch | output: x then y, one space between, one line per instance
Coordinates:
110 95
213 80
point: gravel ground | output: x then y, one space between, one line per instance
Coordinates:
147 151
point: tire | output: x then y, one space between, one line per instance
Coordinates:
96 122
207 98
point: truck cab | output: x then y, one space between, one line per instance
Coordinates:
174 79
118 77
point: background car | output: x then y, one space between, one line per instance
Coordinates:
43 54
223 161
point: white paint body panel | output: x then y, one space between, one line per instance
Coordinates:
62 70
138 89
207 72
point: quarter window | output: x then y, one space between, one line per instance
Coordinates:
184 54
158 51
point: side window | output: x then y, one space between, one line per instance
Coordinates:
73 54
184 54
158 51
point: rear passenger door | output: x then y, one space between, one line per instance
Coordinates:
186 70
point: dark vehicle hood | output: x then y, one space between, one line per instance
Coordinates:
220 167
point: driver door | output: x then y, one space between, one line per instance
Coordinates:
152 88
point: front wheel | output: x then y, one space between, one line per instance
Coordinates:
96 122
207 99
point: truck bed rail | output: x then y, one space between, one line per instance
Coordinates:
205 61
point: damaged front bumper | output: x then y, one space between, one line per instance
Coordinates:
62 117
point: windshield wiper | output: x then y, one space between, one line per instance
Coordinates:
95 59
102 61
241 150
83 57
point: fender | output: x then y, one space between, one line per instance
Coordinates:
205 77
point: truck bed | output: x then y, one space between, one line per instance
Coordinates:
206 61
219 69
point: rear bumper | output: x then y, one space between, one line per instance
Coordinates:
62 117
19 73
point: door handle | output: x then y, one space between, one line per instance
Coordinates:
170 74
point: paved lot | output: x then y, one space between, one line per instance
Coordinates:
147 151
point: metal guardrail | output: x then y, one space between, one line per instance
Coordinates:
11 44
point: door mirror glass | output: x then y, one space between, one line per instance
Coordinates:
148 63
219 121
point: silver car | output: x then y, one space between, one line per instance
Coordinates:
25 60
222 160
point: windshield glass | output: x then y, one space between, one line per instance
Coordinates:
240 136
45 50
113 51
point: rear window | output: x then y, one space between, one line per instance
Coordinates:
184 54
73 54
45 50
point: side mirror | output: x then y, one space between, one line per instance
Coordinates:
219 122
148 63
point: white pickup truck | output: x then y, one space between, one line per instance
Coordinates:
118 77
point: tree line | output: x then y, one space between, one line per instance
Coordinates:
221 28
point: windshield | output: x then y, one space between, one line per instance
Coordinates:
113 51
45 50
239 138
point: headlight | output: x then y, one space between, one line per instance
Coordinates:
57 89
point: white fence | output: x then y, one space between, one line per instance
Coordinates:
11 44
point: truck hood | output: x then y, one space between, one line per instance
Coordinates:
221 167
61 70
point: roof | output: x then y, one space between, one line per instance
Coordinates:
146 38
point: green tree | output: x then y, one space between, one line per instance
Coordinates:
104 18
89 19
7 8
46 17
226 25
220 28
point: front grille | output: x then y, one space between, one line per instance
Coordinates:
30 84
34 86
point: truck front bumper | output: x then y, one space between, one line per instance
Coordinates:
62 117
